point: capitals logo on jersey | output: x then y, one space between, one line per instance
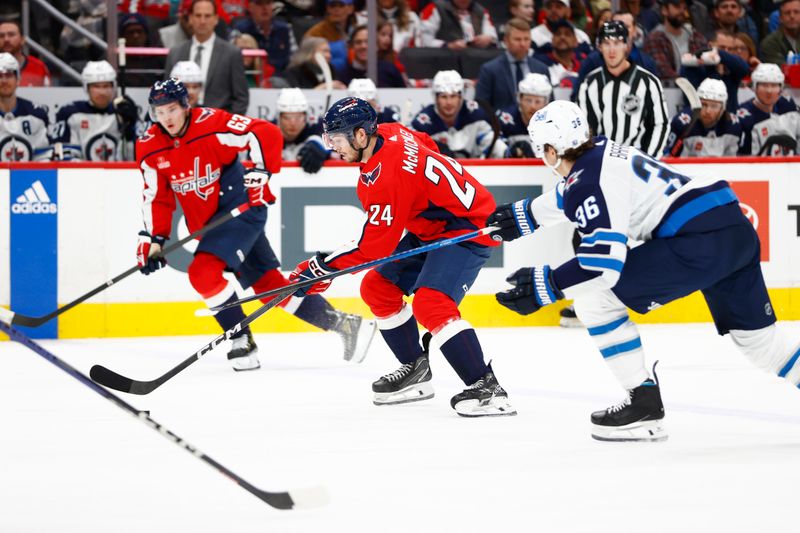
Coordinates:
194 182
368 178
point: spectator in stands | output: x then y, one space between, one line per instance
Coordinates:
365 89
521 9
635 54
645 17
405 23
179 32
189 73
534 93
770 121
603 16
257 70
133 28
564 59
33 72
730 15
670 40
75 48
23 129
302 136
745 48
542 35
581 17
272 35
498 79
457 24
621 100
776 45
719 63
336 27
388 73
715 133
461 128
304 71
225 83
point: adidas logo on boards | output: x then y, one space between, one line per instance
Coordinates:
34 201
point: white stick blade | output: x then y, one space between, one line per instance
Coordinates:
690 92
310 498
6 315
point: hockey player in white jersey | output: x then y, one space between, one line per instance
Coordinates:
101 128
534 92
365 89
189 73
23 125
694 235
770 121
715 133
302 135
459 126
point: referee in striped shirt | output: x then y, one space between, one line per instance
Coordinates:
622 100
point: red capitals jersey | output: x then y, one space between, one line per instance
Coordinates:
407 186
197 165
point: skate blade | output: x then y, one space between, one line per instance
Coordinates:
366 332
413 393
245 364
648 431
496 406
569 322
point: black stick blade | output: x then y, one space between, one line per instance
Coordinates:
109 378
308 498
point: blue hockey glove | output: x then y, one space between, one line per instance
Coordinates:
312 156
309 269
514 220
533 289
148 253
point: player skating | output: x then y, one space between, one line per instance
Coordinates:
695 238
405 186
192 154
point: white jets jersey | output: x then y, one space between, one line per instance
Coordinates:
616 193
90 134
23 133
470 136
311 133
758 126
721 139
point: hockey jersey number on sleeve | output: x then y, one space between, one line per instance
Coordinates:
380 213
587 211
239 122
436 169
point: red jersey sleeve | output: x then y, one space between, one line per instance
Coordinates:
158 200
263 139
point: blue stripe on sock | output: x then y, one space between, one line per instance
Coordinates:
601 262
606 236
605 328
617 349
785 370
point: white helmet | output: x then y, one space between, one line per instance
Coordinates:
187 72
712 89
98 72
767 73
9 63
292 101
561 124
535 84
448 82
363 88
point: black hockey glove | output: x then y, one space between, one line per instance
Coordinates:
444 149
148 253
312 156
533 289
514 220
126 109
521 149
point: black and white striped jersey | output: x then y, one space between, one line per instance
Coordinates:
628 109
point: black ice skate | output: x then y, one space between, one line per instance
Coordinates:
243 353
639 417
485 397
357 334
409 383
568 318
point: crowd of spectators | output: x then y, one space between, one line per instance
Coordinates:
310 44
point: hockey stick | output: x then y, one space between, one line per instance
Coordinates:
694 102
494 122
296 499
326 74
111 379
9 317
122 58
292 287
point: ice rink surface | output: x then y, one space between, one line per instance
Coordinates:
70 461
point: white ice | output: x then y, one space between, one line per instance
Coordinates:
70 461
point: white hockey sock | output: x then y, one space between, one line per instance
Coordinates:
617 338
221 297
769 349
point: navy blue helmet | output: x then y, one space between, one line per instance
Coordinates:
348 114
171 90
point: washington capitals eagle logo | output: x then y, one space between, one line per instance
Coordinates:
368 178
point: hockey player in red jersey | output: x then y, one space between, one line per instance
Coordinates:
406 186
192 154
